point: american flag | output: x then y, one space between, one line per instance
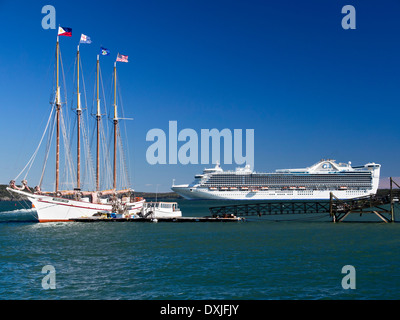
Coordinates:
122 58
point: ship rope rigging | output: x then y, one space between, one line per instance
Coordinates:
89 171
104 152
68 135
76 182
124 165
32 159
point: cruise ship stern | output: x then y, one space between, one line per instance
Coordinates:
376 170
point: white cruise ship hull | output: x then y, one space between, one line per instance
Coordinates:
54 209
316 182
191 193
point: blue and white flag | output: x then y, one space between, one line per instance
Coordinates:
85 39
104 51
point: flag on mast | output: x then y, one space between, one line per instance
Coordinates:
122 58
104 51
85 39
63 31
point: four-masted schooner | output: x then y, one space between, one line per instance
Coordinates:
64 205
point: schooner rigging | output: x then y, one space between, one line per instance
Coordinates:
75 202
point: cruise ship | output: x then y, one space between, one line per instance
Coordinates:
312 183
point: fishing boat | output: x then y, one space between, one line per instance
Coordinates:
64 205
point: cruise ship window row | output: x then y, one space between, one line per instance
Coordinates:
296 181
236 177
309 189
288 182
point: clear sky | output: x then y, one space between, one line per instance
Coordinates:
286 69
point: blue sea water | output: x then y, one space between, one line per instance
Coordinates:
264 258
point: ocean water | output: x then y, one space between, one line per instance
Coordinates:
285 258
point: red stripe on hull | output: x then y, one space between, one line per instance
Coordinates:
53 220
75 206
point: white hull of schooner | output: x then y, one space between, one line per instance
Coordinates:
54 209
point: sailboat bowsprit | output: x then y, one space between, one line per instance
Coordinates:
65 205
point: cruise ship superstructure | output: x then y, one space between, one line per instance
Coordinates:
314 182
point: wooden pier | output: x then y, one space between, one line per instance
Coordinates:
179 219
338 210
271 208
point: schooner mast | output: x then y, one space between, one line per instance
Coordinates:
79 119
98 117
115 127
62 206
115 121
78 114
120 58
58 107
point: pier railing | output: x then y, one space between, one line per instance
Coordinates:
271 208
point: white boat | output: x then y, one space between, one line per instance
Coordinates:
59 205
57 209
316 182
159 210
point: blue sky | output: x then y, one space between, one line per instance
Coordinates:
286 69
